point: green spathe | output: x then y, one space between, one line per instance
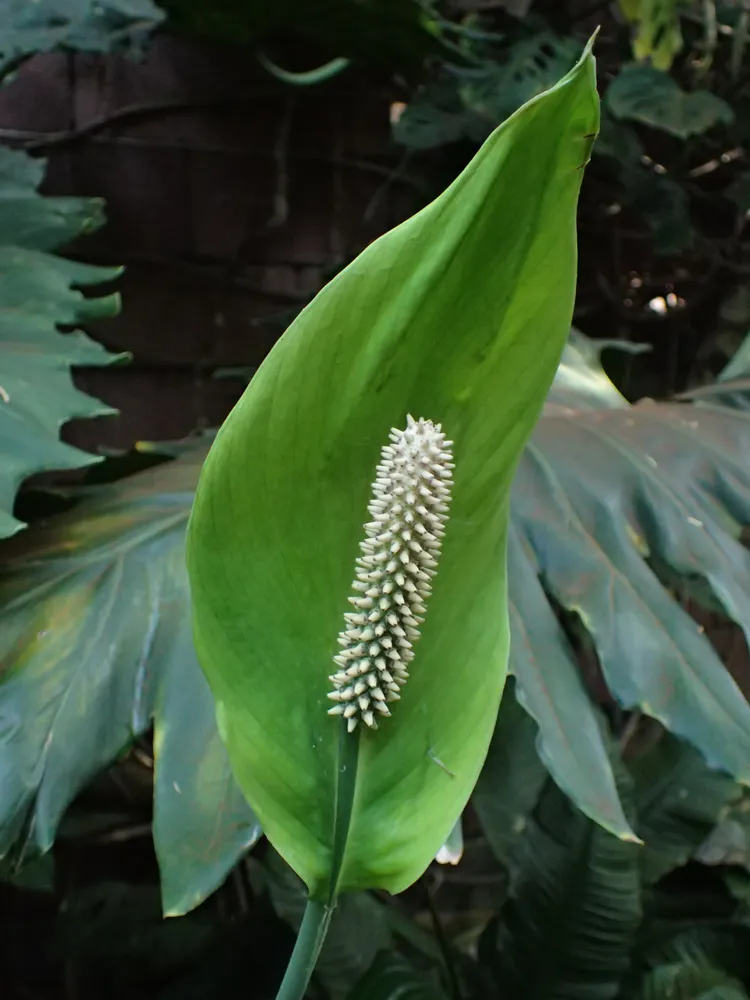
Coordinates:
459 316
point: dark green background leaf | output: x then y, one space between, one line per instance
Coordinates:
94 641
512 777
647 95
692 982
468 104
38 293
679 800
596 491
202 822
567 930
393 978
550 688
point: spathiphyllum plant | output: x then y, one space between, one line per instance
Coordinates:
378 441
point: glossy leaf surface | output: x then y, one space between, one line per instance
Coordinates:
445 318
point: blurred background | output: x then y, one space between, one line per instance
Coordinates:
232 156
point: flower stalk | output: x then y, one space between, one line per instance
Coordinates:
307 947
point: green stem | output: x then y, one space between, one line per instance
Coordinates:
310 939
318 913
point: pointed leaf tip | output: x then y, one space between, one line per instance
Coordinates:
443 317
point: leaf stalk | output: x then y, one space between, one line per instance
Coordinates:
307 947
318 912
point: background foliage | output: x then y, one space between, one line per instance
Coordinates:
622 723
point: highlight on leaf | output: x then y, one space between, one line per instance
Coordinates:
409 509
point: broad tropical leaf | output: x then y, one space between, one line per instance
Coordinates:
95 641
606 498
679 800
202 823
38 294
548 680
444 318
91 25
567 930
550 688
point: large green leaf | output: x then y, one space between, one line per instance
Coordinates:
38 294
567 930
92 25
94 641
444 318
